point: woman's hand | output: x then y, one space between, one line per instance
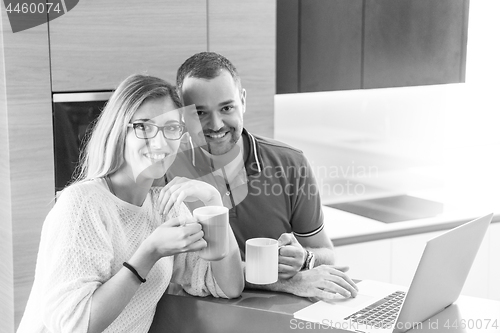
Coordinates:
177 235
183 189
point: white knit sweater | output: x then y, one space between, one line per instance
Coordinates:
86 237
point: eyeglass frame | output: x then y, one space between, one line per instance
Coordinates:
181 125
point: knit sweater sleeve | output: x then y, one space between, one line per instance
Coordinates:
193 273
74 259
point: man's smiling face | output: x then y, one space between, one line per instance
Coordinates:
218 122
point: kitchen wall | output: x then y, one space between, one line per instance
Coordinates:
395 140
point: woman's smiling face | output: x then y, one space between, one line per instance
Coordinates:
151 157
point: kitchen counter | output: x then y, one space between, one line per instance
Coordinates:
261 311
345 228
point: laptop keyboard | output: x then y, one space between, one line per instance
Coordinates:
382 313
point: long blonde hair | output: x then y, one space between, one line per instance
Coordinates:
103 152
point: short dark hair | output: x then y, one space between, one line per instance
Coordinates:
206 65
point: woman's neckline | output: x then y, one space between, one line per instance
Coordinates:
109 184
110 190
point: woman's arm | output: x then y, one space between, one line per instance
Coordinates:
228 272
109 300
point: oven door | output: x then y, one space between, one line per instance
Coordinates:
73 117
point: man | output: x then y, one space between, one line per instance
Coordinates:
268 186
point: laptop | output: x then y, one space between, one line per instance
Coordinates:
436 284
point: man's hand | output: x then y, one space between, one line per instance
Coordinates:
291 256
324 282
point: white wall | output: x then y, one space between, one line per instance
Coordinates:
409 138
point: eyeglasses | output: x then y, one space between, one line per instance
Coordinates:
171 131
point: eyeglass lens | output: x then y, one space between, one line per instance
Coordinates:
149 131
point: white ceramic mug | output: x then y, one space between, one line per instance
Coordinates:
214 221
261 260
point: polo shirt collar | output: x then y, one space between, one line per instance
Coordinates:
253 163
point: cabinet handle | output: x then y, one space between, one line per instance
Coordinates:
81 97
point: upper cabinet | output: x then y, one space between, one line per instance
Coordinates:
414 42
325 45
330 45
99 43
245 32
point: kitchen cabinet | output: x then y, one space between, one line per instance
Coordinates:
405 256
414 42
287 46
364 44
245 32
330 45
369 260
99 43
318 45
494 262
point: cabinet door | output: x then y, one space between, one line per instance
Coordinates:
370 260
330 45
99 43
405 256
494 262
245 32
479 275
287 46
408 43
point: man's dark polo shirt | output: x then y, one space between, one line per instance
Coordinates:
282 192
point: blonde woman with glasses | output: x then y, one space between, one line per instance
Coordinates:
113 242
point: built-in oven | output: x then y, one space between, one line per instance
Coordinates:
73 117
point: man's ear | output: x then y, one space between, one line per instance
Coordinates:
244 99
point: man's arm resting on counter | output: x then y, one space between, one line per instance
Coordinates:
324 282
322 247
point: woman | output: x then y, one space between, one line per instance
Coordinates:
112 243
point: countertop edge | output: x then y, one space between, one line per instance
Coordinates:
402 232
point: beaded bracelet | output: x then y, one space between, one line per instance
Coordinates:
132 269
